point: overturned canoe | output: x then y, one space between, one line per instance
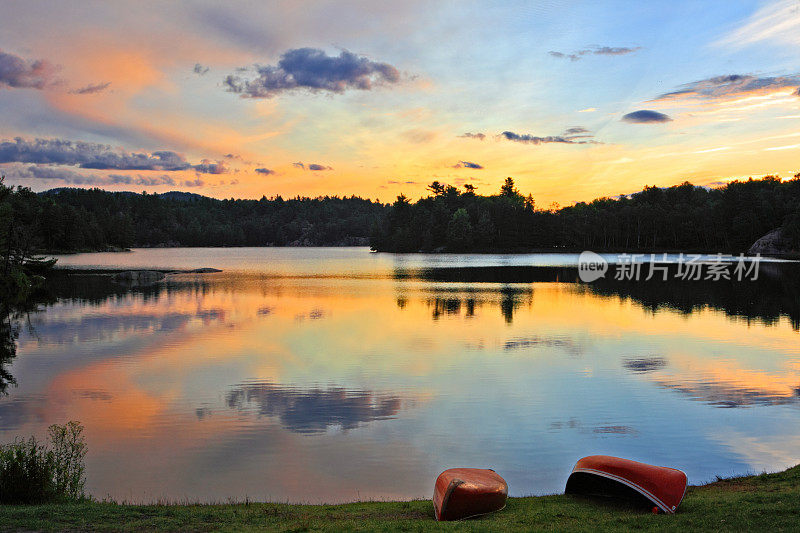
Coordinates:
640 483
465 492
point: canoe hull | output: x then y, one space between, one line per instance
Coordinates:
464 492
603 475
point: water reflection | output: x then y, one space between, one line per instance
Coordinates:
12 318
776 292
448 302
564 343
8 350
322 388
721 385
645 364
313 410
573 424
730 395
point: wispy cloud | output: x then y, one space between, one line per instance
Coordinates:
788 147
313 70
193 183
595 50
574 135
778 21
468 164
646 116
576 131
163 179
479 136
92 88
709 150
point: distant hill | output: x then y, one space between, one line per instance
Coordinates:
170 195
182 196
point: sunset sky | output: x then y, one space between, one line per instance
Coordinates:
575 100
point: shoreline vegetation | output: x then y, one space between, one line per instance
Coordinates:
766 502
682 218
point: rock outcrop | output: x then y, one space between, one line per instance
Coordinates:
775 244
139 277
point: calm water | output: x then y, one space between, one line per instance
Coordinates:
335 374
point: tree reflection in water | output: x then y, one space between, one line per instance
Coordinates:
775 294
8 350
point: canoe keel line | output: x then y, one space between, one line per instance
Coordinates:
661 486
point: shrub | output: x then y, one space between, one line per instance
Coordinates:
32 472
68 452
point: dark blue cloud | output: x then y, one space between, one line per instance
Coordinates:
76 178
299 164
314 166
265 171
97 156
467 164
92 88
54 173
731 85
21 74
193 183
646 116
200 69
313 70
210 167
597 51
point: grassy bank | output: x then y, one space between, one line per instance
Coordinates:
767 502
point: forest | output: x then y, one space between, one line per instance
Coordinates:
684 217
679 218
68 220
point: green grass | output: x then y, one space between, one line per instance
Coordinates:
766 502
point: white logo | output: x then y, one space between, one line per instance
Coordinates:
591 266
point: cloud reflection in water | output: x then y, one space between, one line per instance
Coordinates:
313 410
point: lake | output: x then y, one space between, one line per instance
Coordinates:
336 374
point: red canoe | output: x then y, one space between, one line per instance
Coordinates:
465 492
602 475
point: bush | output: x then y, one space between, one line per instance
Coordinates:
31 472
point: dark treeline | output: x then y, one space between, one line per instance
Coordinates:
80 219
681 218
